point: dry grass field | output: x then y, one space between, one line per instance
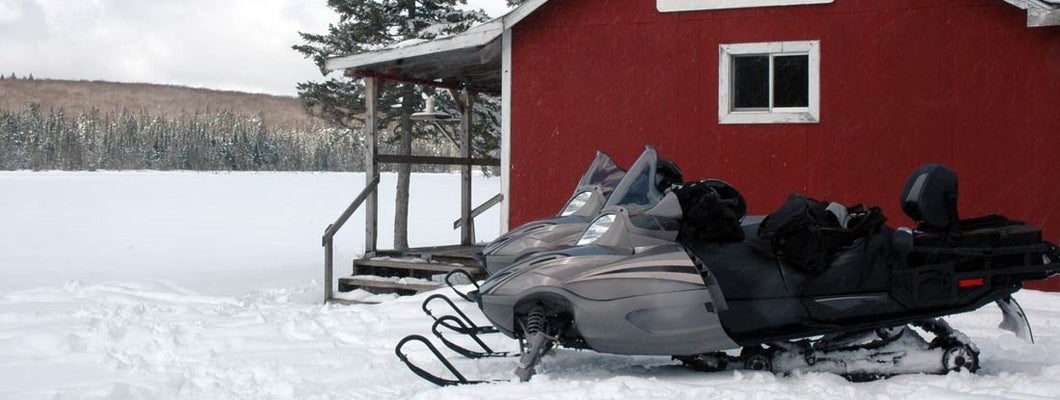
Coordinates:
160 100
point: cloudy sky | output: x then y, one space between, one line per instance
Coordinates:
220 44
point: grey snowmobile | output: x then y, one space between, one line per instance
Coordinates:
595 191
589 196
701 298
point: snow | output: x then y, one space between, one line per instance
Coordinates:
149 285
222 233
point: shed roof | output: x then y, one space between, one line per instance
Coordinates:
473 58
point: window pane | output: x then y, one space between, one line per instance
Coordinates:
750 79
791 81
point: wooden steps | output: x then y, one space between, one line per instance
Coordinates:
347 284
423 269
413 266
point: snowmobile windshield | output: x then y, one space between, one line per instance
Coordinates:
655 222
603 172
637 191
599 180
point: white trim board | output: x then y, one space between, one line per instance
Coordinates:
524 10
506 128
696 5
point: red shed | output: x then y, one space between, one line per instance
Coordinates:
837 99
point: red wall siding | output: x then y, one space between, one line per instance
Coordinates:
903 82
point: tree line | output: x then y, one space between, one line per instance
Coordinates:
14 77
33 139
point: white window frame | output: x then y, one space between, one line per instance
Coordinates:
696 5
811 114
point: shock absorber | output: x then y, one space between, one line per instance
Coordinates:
535 321
535 327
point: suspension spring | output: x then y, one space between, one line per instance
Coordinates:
535 321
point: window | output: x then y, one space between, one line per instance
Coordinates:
767 83
693 5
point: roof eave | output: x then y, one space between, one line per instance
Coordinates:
1038 18
477 37
1039 13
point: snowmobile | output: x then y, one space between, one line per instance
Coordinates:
646 210
589 196
595 191
698 300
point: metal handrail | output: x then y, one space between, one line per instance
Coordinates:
329 235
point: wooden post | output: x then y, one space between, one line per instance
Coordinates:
371 167
465 101
329 268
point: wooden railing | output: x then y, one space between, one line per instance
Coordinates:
329 235
476 212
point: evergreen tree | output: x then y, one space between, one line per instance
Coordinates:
365 25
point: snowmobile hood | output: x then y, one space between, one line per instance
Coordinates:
558 269
535 227
534 237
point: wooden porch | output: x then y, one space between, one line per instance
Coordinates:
409 271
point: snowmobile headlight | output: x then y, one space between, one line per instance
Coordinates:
576 203
596 229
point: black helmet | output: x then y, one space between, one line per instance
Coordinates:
667 174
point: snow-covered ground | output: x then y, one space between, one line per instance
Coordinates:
153 285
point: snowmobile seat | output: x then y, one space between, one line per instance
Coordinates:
991 230
930 199
944 246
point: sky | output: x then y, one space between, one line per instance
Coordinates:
242 45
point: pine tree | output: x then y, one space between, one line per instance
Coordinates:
369 24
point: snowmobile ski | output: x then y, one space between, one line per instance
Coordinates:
456 325
466 275
422 373
467 327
